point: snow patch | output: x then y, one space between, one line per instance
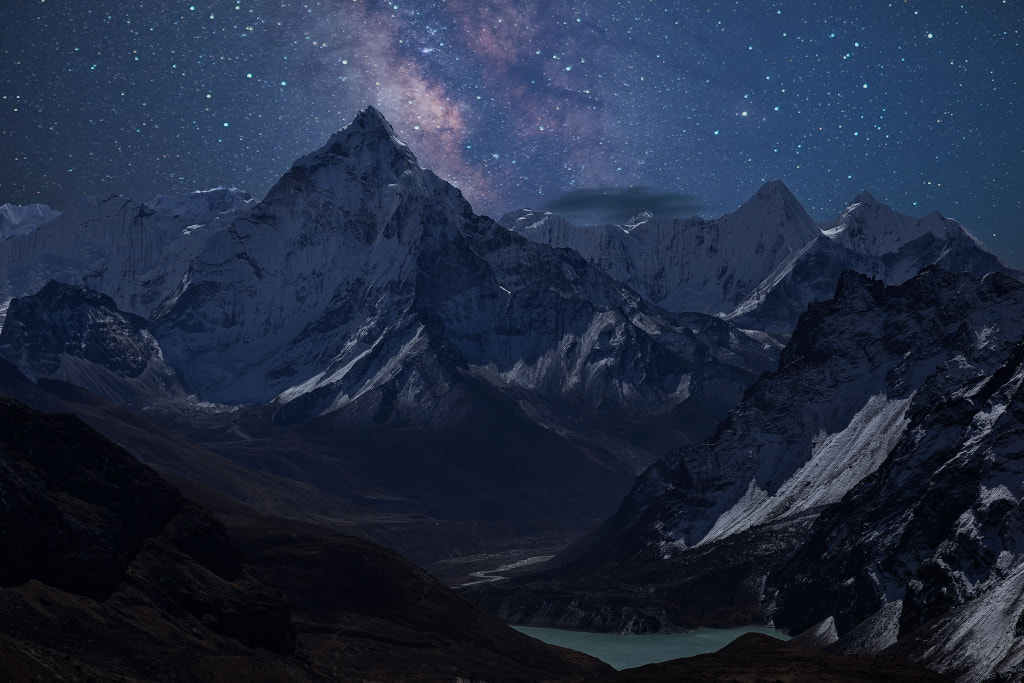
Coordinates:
837 463
875 633
980 637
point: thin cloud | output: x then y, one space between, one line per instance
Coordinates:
619 204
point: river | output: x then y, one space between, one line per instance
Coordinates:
492 575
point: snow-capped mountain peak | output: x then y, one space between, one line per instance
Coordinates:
355 184
773 213
870 227
201 206
18 220
368 138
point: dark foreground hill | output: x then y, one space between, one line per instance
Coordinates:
110 573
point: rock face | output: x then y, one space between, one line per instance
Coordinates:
75 334
932 541
808 434
873 480
762 265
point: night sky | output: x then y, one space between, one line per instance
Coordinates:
520 102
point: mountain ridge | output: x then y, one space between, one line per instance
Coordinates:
870 483
363 297
795 259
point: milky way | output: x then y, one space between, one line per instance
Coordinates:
521 102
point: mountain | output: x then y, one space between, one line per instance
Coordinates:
359 265
19 220
361 330
762 265
871 485
75 334
687 264
870 238
133 252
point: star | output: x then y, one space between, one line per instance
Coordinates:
511 100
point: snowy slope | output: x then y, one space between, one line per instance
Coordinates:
687 264
18 220
359 264
805 436
129 250
872 483
982 640
762 265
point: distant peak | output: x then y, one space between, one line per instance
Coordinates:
773 207
865 198
774 192
774 187
364 169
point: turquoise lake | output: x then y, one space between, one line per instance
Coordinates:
625 652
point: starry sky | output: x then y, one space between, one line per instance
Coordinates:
528 102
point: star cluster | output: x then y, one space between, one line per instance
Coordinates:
520 102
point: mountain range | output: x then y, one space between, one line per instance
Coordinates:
471 372
837 400
760 266
868 491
